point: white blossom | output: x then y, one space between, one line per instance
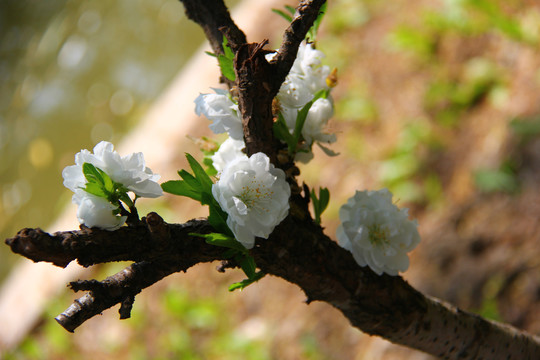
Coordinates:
130 171
228 151
222 111
94 211
377 232
307 77
316 121
255 196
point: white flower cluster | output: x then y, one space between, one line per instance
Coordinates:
255 196
130 171
306 78
377 232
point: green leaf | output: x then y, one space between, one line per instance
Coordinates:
244 283
190 180
312 33
181 188
217 217
282 14
227 67
222 240
302 116
92 174
226 61
108 184
326 150
300 121
247 263
200 174
320 203
210 169
324 198
127 200
290 8
281 131
95 189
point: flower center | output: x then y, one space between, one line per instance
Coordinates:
254 195
378 235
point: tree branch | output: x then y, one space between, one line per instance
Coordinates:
259 81
298 252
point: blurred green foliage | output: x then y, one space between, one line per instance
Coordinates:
457 84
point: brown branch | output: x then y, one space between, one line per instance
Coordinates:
120 288
259 81
298 252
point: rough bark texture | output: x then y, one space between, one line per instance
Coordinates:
297 251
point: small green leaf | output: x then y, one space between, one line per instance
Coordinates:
108 184
127 200
300 121
324 198
210 169
226 61
282 14
247 263
95 189
222 240
290 8
210 53
217 217
200 174
190 180
312 33
244 283
326 150
281 131
92 174
181 188
227 67
227 49
320 203
302 114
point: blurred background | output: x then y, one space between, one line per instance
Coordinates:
437 100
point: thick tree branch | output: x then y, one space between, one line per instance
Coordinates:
298 252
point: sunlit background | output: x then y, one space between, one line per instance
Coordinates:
437 100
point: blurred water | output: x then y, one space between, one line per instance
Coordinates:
72 73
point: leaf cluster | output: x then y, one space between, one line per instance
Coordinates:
198 186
